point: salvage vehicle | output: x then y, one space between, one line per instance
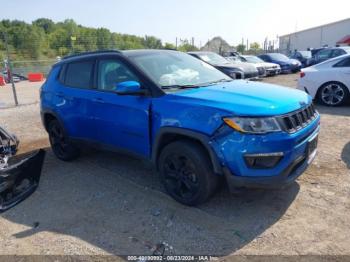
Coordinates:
271 69
197 125
240 59
328 82
232 69
287 65
328 53
19 175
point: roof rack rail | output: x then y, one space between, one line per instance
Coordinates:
92 52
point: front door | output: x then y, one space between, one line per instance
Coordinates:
121 121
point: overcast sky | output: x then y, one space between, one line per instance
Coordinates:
201 19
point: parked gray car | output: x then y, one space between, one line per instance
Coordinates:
232 69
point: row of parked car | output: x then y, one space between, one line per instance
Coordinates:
239 66
326 78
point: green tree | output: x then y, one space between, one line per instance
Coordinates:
46 24
254 48
152 42
241 48
169 46
185 46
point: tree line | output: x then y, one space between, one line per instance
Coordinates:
43 39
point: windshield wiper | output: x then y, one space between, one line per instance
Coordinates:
217 81
180 86
197 85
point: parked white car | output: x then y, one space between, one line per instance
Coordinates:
328 82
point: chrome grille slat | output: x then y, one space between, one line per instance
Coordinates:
297 120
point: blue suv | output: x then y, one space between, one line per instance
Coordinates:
195 123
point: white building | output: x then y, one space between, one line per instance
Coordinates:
328 34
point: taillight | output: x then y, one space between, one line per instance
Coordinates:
302 74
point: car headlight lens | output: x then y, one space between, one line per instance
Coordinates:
253 125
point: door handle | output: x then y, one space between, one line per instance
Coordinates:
98 100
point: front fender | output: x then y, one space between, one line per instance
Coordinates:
203 139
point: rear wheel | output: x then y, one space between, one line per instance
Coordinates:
186 172
60 144
333 94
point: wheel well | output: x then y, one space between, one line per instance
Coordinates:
168 138
47 119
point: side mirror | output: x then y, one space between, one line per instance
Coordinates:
130 88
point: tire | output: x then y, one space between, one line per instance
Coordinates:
60 144
186 172
333 94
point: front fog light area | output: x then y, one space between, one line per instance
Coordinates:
260 161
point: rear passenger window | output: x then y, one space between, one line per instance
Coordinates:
79 74
343 63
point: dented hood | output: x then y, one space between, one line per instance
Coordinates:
247 98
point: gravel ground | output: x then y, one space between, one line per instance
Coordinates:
106 203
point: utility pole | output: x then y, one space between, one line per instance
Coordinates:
9 69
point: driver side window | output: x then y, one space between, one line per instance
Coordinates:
111 72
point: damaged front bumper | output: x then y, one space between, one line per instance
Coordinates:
19 175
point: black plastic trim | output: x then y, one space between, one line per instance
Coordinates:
200 137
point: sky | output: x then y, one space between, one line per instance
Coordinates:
202 19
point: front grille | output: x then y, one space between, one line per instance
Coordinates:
297 120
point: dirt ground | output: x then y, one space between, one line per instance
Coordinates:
106 203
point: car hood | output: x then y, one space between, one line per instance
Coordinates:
246 98
245 67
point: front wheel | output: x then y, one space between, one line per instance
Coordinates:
333 94
186 172
60 144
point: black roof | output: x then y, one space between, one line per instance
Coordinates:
138 52
128 53
91 53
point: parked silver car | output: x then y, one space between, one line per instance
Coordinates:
270 68
231 68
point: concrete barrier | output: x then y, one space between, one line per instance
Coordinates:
2 81
35 77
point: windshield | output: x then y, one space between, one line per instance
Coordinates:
176 69
213 58
306 54
253 59
278 57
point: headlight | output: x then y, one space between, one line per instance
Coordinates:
253 125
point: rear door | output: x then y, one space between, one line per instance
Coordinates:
73 97
343 71
120 121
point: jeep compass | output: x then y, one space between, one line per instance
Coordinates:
192 121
